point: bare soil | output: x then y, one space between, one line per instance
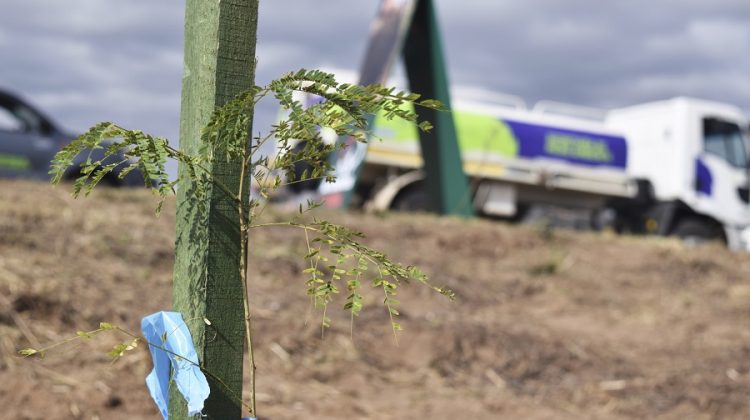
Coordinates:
547 325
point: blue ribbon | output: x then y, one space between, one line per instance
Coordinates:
172 349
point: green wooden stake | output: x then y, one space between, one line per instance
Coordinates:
220 38
447 185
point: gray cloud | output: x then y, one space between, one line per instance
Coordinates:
602 53
91 60
86 61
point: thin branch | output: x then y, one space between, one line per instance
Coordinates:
243 278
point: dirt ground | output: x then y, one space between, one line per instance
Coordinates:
547 325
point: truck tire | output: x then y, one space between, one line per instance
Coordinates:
414 198
695 230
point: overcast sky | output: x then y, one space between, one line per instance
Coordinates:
85 61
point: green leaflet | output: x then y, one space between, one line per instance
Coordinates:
339 260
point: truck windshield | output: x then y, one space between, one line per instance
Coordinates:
726 140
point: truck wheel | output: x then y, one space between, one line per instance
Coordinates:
694 230
414 198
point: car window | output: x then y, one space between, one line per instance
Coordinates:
9 122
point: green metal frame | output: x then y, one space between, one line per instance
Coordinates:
447 184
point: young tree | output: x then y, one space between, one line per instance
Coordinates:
217 159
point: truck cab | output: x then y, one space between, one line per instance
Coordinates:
693 155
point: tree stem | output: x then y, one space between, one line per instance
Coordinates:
244 239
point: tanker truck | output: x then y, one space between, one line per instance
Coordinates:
673 167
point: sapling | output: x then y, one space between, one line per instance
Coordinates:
336 259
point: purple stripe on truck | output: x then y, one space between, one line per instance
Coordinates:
579 147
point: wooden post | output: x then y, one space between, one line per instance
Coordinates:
220 38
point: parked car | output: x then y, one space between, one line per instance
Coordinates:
29 140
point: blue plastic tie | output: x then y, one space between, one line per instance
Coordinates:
172 349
